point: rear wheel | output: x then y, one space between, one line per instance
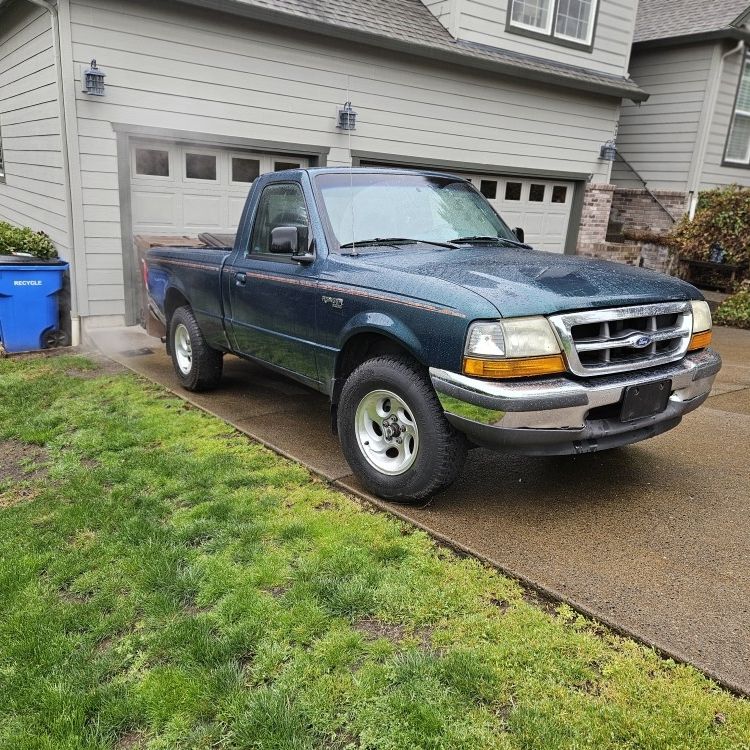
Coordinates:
197 365
394 433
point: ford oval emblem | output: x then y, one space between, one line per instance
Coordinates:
643 341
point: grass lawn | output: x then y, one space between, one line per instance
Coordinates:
166 583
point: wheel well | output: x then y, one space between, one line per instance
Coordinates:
174 299
357 350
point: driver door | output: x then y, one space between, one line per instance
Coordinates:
272 297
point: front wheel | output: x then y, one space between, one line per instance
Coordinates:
197 365
394 433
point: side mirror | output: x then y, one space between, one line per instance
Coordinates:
520 234
284 240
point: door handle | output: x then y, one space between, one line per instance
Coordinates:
240 279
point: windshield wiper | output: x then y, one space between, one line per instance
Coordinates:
394 241
487 238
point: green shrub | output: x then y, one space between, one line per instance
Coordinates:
735 311
722 217
24 240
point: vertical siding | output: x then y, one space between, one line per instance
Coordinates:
659 137
714 174
204 72
484 21
33 193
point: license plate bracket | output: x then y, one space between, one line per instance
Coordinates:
645 400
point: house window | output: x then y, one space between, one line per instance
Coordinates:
566 21
738 143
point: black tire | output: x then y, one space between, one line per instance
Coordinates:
441 449
206 364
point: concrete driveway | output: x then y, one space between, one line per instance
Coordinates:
653 539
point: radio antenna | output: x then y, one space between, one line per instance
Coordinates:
351 171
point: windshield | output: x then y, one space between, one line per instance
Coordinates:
368 206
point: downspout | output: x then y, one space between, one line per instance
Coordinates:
75 320
706 134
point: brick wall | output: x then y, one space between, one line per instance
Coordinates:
636 209
608 210
597 202
620 252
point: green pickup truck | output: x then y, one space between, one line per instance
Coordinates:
431 326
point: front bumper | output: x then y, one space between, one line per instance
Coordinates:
567 415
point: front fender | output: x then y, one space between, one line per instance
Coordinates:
386 325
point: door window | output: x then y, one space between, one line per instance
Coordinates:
281 205
152 162
245 170
200 166
513 191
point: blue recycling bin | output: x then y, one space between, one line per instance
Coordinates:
29 309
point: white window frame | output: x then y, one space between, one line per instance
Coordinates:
538 29
201 152
550 33
745 72
154 146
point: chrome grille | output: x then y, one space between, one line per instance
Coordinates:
599 342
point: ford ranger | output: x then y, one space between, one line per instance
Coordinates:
431 325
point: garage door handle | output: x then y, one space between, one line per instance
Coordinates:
240 279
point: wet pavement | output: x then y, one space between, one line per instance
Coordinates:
652 539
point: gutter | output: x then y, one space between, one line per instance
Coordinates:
52 9
465 54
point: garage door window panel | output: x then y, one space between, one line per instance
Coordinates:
536 193
152 162
513 191
559 194
201 167
280 166
245 170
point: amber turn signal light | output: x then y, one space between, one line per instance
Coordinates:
700 340
513 368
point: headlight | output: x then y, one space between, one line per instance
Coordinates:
702 324
511 348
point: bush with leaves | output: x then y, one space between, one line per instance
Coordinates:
722 218
735 310
24 240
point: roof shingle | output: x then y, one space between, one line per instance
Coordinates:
666 19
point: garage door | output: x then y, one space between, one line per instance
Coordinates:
541 207
180 189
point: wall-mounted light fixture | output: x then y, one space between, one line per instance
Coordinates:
347 118
93 80
608 151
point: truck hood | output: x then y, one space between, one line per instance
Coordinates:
518 281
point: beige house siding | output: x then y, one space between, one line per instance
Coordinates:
33 193
207 73
659 138
715 174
